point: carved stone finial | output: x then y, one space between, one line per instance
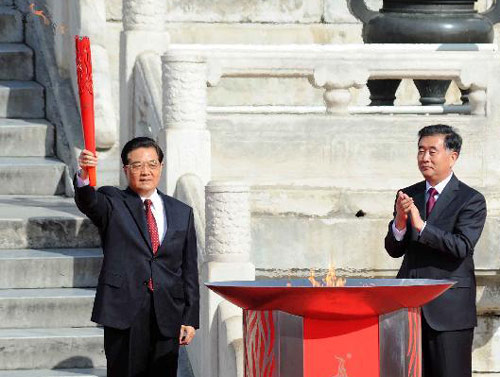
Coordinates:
144 14
227 211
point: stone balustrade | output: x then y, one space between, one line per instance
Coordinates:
339 68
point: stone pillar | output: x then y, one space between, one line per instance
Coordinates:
143 31
144 15
185 138
228 240
227 212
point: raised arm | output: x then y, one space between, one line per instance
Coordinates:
89 201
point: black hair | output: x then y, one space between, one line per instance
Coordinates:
140 142
452 140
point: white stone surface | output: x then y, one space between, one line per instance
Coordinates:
48 348
105 119
320 150
21 99
336 11
49 268
147 96
267 33
488 295
184 94
37 136
190 189
209 301
186 152
230 347
144 14
97 372
279 11
114 10
486 345
227 210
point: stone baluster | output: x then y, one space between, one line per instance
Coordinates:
337 80
475 82
477 99
143 31
185 138
228 240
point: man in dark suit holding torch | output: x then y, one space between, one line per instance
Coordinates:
147 296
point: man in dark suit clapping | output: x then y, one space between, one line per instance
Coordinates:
147 296
437 223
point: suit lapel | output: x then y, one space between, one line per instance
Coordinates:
170 218
419 199
445 198
136 208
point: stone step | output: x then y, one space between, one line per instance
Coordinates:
49 307
55 373
50 268
16 62
11 29
44 222
21 99
26 137
31 176
52 348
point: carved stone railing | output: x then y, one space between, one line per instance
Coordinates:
339 68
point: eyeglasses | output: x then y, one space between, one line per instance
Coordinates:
136 167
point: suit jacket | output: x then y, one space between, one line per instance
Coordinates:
444 250
129 261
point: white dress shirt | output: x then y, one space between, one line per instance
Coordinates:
157 208
399 234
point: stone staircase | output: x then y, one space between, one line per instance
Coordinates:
49 260
49 252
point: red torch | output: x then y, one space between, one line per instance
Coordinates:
86 91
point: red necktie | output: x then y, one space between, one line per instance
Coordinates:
431 201
153 233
